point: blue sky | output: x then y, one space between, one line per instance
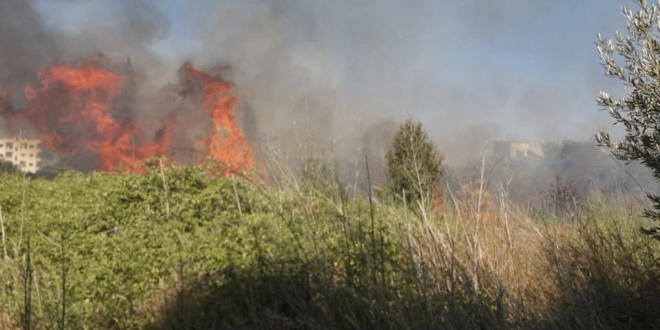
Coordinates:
526 69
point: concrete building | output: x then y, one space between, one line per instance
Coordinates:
516 150
24 153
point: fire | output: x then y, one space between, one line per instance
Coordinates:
72 106
85 109
478 198
226 143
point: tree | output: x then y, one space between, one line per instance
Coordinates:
639 110
413 164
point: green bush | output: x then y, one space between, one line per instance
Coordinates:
123 238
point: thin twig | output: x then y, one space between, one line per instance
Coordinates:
48 239
371 208
2 225
35 280
20 236
28 280
166 187
27 287
62 321
481 190
238 202
427 224
506 217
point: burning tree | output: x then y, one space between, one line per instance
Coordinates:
227 142
72 107
639 110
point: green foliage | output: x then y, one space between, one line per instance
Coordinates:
120 237
125 237
639 110
413 164
180 249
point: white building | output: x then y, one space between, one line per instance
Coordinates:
23 153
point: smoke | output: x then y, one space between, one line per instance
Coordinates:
334 73
566 176
26 43
134 28
455 67
30 42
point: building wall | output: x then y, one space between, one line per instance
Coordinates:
515 150
23 153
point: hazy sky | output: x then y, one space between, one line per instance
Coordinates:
469 69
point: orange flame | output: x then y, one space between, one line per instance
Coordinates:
72 107
226 143
78 109
474 193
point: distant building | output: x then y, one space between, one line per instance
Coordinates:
22 153
516 150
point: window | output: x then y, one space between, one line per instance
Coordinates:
32 146
22 155
10 145
31 155
30 164
22 164
1 145
9 154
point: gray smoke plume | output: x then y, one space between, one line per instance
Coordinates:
338 74
26 45
371 59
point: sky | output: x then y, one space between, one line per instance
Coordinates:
471 71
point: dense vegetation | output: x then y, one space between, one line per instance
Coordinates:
179 249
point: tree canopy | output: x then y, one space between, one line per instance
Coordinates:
639 110
413 163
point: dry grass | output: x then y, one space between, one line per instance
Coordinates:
466 266
6 320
